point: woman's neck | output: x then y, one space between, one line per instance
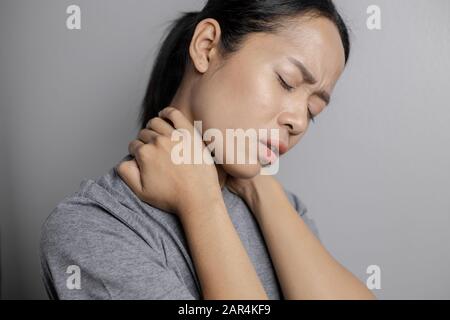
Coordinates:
181 102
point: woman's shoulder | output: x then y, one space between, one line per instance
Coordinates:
77 219
102 204
112 251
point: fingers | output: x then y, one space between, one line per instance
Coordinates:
177 117
160 126
130 174
133 147
142 153
181 123
147 136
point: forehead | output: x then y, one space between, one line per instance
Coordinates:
313 40
313 33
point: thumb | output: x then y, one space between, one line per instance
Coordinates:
130 173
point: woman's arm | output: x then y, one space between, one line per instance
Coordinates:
192 192
304 267
222 263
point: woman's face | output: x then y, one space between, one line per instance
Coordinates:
272 82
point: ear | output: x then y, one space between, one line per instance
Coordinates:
204 44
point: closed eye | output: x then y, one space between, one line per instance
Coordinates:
289 89
284 84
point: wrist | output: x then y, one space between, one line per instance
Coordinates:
260 190
202 205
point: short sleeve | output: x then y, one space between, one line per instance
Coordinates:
302 210
112 261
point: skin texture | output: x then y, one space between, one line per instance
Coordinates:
244 91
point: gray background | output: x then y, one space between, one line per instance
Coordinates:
374 170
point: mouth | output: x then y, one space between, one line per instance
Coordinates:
268 154
277 146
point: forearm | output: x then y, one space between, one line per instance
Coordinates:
304 267
221 261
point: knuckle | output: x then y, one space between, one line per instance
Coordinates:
152 122
144 135
132 146
160 140
141 134
143 151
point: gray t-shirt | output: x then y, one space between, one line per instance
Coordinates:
119 247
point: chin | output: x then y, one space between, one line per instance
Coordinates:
242 171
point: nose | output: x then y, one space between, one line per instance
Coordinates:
295 122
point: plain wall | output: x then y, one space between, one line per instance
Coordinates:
373 171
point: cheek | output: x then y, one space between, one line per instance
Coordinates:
260 97
255 87
237 97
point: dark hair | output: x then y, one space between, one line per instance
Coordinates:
237 19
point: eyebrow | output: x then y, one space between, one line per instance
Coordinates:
309 78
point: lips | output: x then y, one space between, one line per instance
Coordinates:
276 146
267 155
271 151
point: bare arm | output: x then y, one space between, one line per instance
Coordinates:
222 263
304 267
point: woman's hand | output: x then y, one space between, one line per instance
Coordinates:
192 191
304 267
158 180
254 189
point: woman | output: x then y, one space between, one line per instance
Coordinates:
152 229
